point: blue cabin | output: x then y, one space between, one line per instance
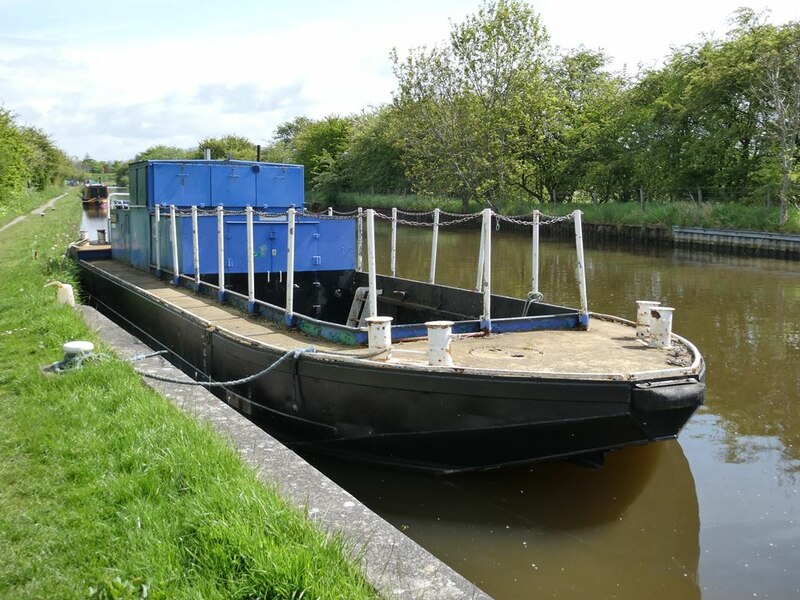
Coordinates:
142 235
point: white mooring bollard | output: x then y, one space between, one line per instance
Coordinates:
380 335
77 349
643 318
661 326
440 334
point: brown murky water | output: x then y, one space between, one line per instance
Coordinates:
92 219
714 515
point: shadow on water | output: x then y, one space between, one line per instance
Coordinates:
627 530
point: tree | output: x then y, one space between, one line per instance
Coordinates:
469 111
120 170
695 123
317 147
374 156
162 152
47 164
235 146
278 152
576 116
288 131
14 156
781 85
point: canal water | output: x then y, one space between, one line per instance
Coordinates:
94 218
715 515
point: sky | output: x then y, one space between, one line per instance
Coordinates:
110 79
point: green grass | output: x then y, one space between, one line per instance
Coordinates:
655 214
107 490
687 214
27 201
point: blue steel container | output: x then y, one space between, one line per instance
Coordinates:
233 184
320 245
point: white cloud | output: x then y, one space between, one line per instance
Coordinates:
167 73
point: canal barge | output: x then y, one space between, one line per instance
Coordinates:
94 194
219 263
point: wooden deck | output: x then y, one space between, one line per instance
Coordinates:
608 347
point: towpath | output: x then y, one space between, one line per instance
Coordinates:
36 211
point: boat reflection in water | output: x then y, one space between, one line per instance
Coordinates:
94 218
628 530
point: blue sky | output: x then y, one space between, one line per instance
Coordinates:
110 79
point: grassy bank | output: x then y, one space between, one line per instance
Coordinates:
106 490
682 214
26 202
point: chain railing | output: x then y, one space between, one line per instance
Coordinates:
483 280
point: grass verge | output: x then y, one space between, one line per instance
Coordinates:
107 490
27 201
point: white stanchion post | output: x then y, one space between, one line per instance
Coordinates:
290 268
535 254
176 267
661 326
251 268
373 286
434 245
581 266
360 241
486 283
380 335
440 335
393 262
195 249
158 239
330 211
221 253
643 318
481 257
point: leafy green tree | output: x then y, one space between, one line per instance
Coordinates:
47 164
575 118
166 153
278 152
120 171
698 125
235 146
317 147
469 111
14 156
781 86
374 157
91 166
288 131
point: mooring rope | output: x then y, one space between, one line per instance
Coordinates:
291 353
295 354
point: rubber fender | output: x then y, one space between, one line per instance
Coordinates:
657 396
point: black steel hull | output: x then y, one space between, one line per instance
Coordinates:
411 418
